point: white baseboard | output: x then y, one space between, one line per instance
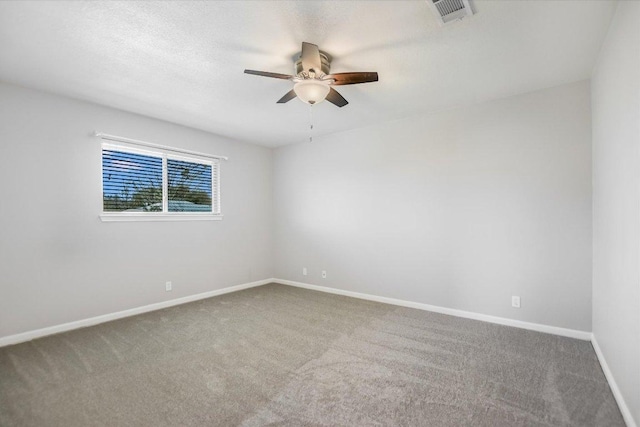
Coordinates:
38 333
30 335
572 333
624 409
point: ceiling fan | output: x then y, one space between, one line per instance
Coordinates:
313 81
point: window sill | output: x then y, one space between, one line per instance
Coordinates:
137 217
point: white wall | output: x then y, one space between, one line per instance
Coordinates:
461 209
59 262
616 202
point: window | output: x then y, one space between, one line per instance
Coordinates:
158 183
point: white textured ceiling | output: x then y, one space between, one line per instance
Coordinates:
184 61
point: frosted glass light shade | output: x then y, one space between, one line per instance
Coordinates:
311 91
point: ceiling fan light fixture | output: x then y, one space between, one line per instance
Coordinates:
313 81
311 91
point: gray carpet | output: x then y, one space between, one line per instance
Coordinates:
277 355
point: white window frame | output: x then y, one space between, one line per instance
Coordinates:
127 145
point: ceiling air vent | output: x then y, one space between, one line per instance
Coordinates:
450 10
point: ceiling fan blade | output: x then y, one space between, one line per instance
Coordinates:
311 57
268 74
352 78
287 97
335 98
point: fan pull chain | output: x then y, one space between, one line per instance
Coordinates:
311 123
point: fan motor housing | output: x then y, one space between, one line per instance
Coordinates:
324 59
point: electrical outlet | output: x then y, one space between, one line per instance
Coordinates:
168 286
324 274
304 271
515 302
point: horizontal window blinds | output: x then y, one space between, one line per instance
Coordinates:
158 181
190 186
131 182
